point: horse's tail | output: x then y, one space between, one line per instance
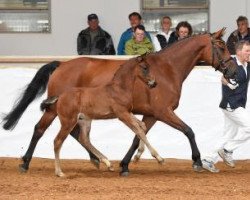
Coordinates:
32 91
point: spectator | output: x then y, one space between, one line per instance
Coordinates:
182 30
135 20
237 119
94 40
160 40
242 33
139 44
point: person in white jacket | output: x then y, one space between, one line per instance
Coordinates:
160 40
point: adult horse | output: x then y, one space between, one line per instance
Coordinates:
174 62
114 100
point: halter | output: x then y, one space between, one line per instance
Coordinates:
222 62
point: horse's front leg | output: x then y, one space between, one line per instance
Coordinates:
139 129
39 130
170 118
149 122
140 151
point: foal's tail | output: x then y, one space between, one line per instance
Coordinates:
32 91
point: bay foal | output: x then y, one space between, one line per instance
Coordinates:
114 100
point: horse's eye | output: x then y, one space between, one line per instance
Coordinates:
144 69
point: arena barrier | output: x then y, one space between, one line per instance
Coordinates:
38 61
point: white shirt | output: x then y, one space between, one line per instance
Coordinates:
156 43
243 64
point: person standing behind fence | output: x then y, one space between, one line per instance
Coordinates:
242 33
94 40
139 44
236 118
135 20
160 40
182 30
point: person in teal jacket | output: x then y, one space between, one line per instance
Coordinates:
134 19
139 44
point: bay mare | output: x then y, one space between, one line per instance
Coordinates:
80 105
174 64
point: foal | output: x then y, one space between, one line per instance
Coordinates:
114 100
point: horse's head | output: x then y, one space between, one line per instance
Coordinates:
221 59
144 71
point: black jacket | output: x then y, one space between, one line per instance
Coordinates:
173 38
238 97
102 44
234 38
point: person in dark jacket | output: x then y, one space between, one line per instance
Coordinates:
135 20
160 40
237 119
182 30
242 33
94 40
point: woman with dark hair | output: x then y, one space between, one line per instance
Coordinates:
182 30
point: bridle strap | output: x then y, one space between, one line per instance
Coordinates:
220 60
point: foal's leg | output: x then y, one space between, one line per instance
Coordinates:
85 125
149 122
75 134
39 130
140 151
173 120
141 148
139 128
61 136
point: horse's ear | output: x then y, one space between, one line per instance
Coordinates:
219 33
139 59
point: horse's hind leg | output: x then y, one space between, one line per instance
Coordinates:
173 120
85 125
149 122
139 128
39 130
75 134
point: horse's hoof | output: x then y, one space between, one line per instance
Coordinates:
198 168
111 169
60 174
96 163
124 174
161 161
22 169
136 159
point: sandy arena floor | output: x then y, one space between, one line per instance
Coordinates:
147 180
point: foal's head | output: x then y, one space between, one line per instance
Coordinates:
143 71
220 57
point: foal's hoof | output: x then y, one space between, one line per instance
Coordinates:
22 169
124 174
161 161
111 169
60 174
96 163
198 168
136 158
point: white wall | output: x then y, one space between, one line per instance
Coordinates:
223 13
69 18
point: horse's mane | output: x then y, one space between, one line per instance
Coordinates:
178 42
